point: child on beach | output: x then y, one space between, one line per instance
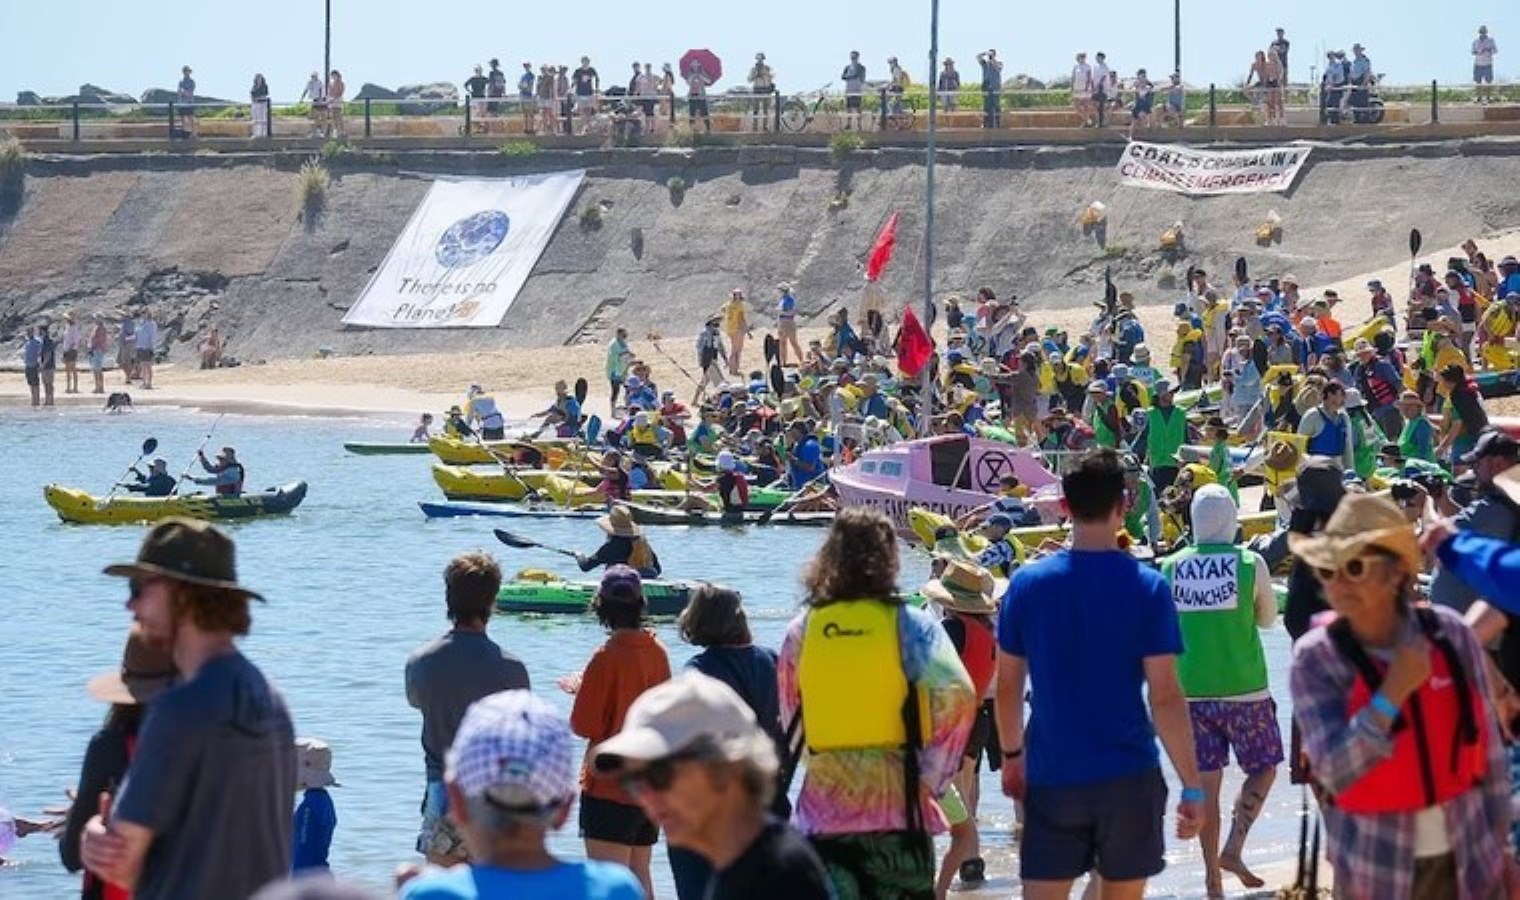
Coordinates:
421 435
316 819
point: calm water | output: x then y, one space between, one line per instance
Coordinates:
354 583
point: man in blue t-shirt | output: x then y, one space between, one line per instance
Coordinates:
511 780
805 459
1093 631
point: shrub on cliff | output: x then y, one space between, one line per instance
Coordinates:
311 188
12 174
844 145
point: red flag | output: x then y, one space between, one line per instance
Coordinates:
913 345
881 251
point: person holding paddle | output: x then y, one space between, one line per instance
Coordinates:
625 546
564 414
481 408
227 474
157 483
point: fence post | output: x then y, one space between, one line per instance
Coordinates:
1435 106
882 115
171 121
1213 106
76 121
467 117
366 116
776 111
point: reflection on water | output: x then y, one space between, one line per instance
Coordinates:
354 583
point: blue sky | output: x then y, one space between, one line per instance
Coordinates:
132 46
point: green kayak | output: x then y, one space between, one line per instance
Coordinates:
375 448
664 598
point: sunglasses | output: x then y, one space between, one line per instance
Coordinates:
657 776
137 585
1354 570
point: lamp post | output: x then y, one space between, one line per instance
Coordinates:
327 42
926 388
1177 37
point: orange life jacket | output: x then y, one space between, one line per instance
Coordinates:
1439 739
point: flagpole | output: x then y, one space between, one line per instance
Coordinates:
926 389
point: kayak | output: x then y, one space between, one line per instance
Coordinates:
558 597
380 448
84 508
455 452
458 508
924 522
459 483
657 515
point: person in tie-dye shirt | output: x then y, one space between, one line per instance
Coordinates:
853 805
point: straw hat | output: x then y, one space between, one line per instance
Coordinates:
314 765
1361 522
146 671
1282 456
963 587
619 523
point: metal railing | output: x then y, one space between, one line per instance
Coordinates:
614 115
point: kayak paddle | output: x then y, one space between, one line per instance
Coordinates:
148 447
1242 274
521 543
1415 240
198 451
581 388
772 349
778 381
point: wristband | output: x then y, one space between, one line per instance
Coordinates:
1013 754
1192 795
1384 705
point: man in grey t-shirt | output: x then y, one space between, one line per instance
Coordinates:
444 677
205 809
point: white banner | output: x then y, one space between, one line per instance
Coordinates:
1169 167
466 253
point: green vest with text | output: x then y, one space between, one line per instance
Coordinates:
1214 587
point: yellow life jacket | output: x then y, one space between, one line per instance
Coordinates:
641 557
645 436
850 675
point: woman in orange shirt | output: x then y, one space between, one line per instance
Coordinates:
629 663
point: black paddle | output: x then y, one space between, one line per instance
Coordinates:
772 349
1110 293
778 380
1415 240
581 388
521 543
148 447
1242 274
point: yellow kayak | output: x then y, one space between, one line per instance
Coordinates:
925 522
81 507
459 483
455 452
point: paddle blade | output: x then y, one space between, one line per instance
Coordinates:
772 349
149 446
778 380
581 388
1415 240
593 429
1242 273
512 540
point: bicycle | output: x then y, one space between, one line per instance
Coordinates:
900 115
800 112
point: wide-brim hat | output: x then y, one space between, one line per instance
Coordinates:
190 551
146 671
963 587
1319 487
1282 456
1361 522
314 765
619 523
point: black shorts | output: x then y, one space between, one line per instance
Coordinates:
984 738
1114 826
493 434
32 377
852 102
616 823
143 356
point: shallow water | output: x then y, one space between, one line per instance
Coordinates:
353 583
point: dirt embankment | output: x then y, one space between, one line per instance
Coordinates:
218 239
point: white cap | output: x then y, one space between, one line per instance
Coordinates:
726 461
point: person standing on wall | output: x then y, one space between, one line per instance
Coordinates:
992 89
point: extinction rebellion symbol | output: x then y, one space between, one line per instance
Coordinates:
992 467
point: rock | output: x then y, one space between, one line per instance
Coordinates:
440 95
159 96
89 93
374 92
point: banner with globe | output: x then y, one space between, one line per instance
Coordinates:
466 252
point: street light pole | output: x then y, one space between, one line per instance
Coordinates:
327 43
926 387
1177 36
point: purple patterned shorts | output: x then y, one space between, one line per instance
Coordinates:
1249 726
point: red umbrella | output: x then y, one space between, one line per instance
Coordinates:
712 66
